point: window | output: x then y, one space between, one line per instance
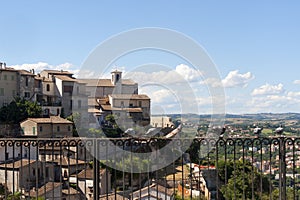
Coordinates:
48 87
79 103
27 94
69 128
122 104
12 77
33 130
58 128
68 89
140 103
47 172
71 104
1 91
26 81
57 111
5 77
41 129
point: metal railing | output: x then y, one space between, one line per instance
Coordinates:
100 168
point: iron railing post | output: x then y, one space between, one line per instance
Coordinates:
282 169
96 170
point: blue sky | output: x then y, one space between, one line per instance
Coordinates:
254 44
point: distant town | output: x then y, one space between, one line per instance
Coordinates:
45 116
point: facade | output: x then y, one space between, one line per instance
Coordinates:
161 121
51 190
116 96
153 192
22 175
72 93
85 182
101 88
130 108
27 85
9 86
52 126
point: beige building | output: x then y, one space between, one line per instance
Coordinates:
101 88
62 94
51 190
153 191
53 126
27 85
9 86
73 94
131 108
116 96
161 121
86 183
22 175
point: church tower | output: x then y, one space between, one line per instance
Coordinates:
116 77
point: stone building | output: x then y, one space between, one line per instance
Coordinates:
9 85
52 126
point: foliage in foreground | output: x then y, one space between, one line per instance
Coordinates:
19 110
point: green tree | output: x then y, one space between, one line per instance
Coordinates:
111 119
18 110
75 118
15 196
242 176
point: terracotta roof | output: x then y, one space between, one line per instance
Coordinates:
128 82
92 102
69 161
106 107
57 72
97 82
93 110
70 191
44 189
103 100
130 96
17 164
37 77
112 196
8 69
25 72
88 174
51 119
156 187
104 82
66 78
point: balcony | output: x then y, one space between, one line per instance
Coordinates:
128 168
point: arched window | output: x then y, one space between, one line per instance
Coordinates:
48 87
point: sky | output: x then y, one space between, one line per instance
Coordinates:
254 46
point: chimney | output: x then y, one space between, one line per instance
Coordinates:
33 71
1 65
4 65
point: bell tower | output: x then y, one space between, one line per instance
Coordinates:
116 77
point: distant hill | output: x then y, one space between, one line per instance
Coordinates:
258 116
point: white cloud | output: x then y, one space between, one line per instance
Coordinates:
274 103
293 94
38 67
181 73
268 89
235 79
213 82
296 82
